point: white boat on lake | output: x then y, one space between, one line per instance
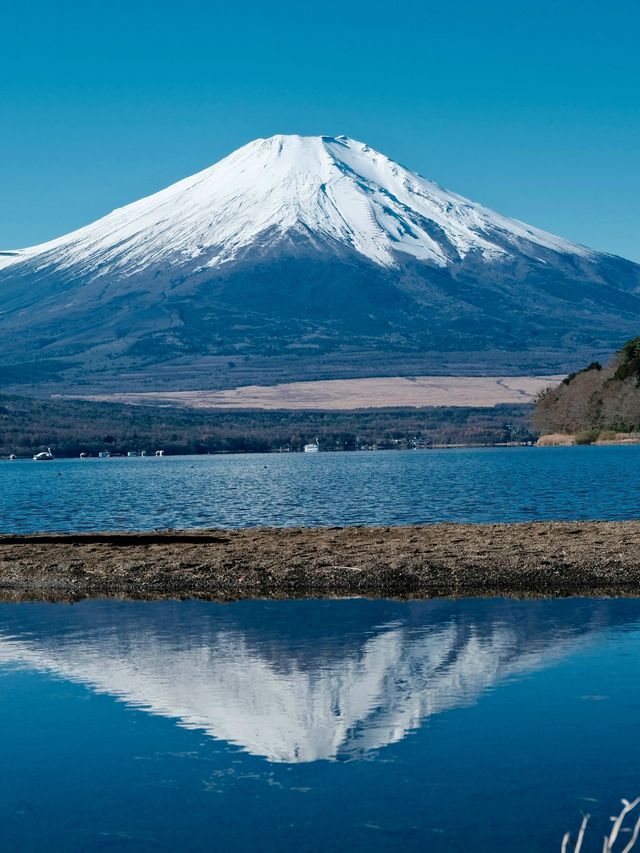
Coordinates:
314 447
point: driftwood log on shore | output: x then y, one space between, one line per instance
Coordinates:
537 559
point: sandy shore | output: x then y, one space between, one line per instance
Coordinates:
548 559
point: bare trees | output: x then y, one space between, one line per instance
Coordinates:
595 398
569 846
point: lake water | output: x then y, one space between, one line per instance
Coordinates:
476 725
473 725
393 487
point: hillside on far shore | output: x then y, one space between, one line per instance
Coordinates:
596 403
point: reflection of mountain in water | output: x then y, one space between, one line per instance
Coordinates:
301 681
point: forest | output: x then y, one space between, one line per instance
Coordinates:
71 427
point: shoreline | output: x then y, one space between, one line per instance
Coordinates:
593 438
364 449
531 559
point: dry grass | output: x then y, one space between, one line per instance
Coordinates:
345 394
556 439
561 439
611 437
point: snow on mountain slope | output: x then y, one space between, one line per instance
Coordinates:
11 257
335 188
268 700
295 250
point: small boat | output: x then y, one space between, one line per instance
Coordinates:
132 453
44 456
104 454
159 452
12 456
314 447
83 455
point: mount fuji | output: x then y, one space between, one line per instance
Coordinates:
306 257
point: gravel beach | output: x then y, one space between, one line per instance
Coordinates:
537 559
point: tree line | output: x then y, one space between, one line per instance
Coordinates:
71 427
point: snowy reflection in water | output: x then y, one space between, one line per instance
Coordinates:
301 681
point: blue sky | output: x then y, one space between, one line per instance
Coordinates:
532 108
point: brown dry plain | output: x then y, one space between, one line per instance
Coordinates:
532 559
345 394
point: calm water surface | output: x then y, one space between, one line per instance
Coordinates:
477 485
317 725
475 725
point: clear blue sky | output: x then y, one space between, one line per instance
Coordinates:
532 108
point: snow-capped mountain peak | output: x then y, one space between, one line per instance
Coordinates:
323 188
295 248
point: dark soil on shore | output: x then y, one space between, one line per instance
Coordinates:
538 559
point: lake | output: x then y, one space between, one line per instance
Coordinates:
385 487
474 725
471 725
